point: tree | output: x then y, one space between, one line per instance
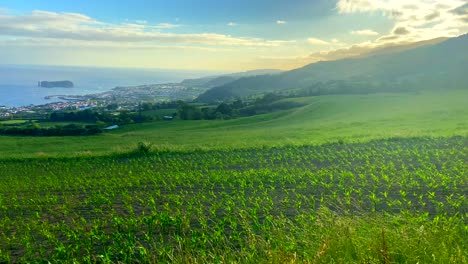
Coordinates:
238 104
113 106
147 106
224 109
189 112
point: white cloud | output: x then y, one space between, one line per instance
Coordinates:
66 43
316 41
232 24
42 25
165 26
415 20
281 22
364 32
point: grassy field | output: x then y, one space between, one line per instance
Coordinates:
348 118
343 179
13 122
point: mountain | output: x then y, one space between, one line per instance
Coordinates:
219 80
439 65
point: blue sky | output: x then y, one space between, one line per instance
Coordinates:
200 11
216 35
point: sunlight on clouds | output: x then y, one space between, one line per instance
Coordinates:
316 41
413 21
72 26
407 22
165 26
364 32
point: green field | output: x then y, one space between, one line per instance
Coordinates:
343 179
13 122
323 119
385 201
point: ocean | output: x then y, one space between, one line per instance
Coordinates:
18 83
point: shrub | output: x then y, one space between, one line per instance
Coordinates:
143 148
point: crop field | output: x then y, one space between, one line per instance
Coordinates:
401 200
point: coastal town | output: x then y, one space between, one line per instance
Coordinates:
127 98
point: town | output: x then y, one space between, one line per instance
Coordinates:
125 98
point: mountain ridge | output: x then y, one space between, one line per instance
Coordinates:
429 66
218 80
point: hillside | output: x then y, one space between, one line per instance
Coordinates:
438 66
219 80
321 119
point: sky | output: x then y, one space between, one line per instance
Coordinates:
217 35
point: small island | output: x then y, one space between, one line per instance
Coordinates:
56 84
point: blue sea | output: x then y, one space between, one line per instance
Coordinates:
18 83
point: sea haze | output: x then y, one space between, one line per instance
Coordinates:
18 83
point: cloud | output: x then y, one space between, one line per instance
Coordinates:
316 41
432 16
401 31
165 26
462 10
462 13
232 24
43 25
415 21
364 32
281 22
77 44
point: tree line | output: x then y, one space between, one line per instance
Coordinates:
34 129
237 108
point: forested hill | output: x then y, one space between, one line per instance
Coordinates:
437 66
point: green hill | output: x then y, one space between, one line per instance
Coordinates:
219 80
437 66
322 119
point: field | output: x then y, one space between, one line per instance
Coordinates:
349 118
384 201
343 179
13 122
